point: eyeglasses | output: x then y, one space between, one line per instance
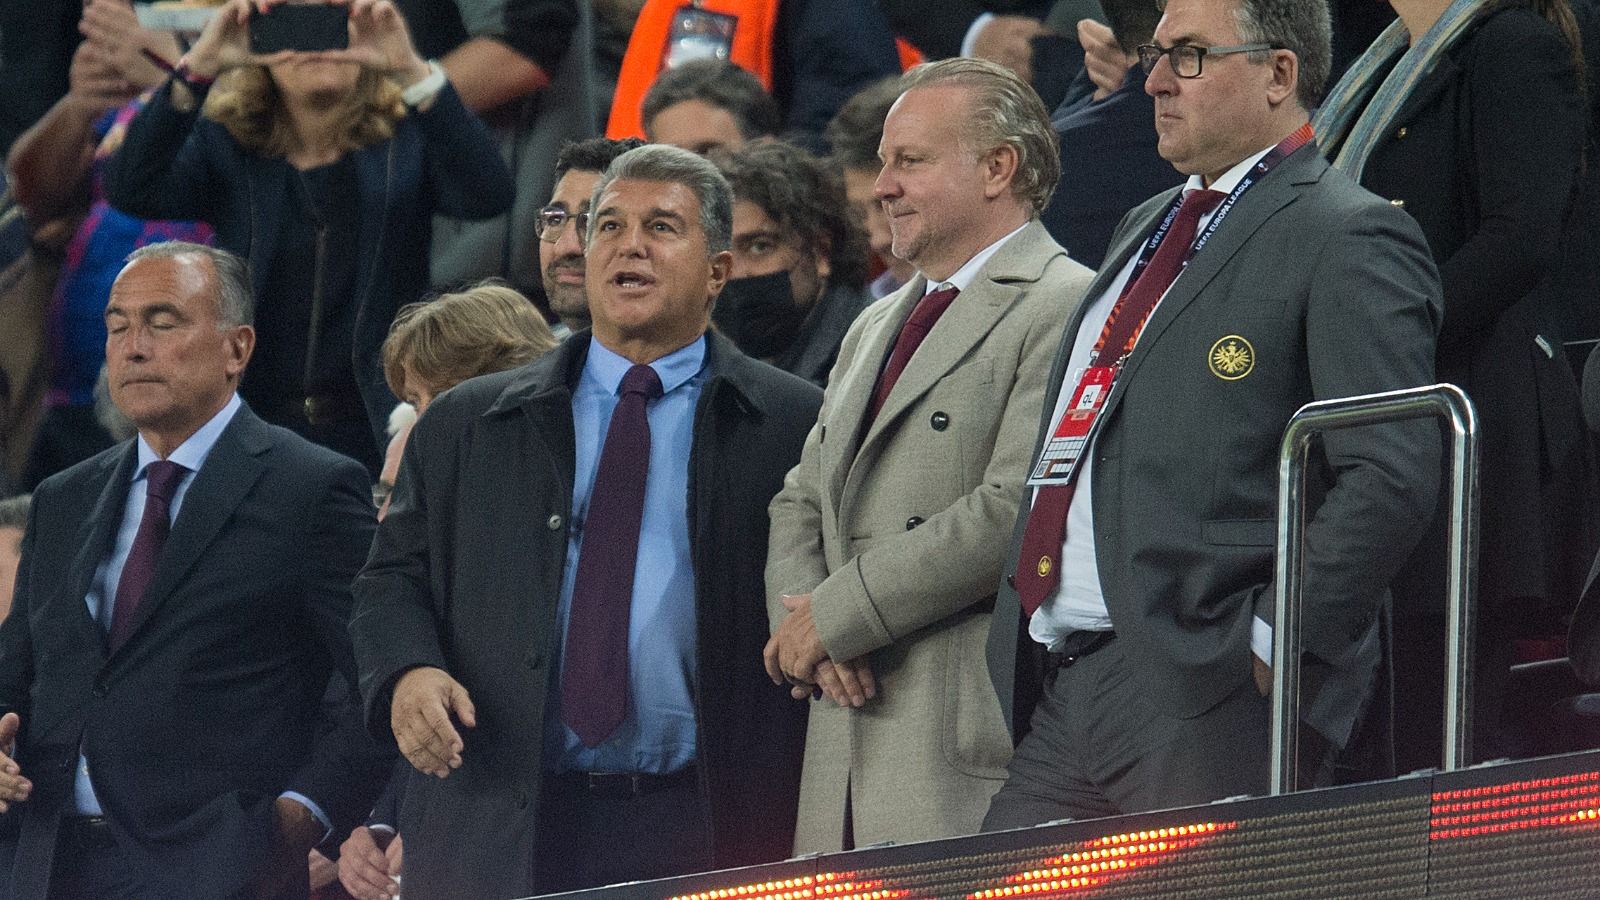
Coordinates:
553 220
1187 58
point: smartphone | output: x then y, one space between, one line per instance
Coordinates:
299 26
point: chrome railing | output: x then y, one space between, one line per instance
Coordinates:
1445 401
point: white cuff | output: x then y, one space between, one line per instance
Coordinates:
426 89
973 31
1261 640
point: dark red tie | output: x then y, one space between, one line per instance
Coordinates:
161 482
918 324
1038 568
594 675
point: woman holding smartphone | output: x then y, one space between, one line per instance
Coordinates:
323 168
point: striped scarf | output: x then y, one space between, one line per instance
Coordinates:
1359 110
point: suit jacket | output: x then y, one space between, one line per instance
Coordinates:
1185 464
210 709
465 575
1484 154
894 529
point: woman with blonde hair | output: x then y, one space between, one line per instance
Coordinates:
324 170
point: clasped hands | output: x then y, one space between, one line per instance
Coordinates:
795 656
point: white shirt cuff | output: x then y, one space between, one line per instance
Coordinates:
1261 640
973 31
308 803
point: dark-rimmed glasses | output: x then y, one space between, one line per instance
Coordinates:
554 219
1188 59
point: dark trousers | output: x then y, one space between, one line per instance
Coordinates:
605 832
1098 748
89 866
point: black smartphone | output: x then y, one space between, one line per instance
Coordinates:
299 26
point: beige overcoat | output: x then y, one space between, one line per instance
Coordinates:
900 533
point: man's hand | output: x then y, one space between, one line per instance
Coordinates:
14 788
324 871
794 651
1103 57
367 871
112 27
848 684
294 832
1263 673
1008 40
424 699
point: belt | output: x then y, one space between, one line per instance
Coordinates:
1077 645
86 833
623 785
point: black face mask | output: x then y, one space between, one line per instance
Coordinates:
758 314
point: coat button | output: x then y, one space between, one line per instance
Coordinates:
1398 204
939 421
554 522
913 522
99 692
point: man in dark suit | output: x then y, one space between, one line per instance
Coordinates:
180 605
1141 596
561 621
1109 162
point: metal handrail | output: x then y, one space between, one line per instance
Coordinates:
1444 401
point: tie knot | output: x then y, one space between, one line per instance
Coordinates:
946 292
642 380
1199 201
162 477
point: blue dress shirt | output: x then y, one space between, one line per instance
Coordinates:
657 734
191 454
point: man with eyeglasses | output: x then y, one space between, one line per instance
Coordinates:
1132 646
578 168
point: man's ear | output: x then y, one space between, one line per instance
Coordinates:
822 252
240 342
721 264
1285 78
999 170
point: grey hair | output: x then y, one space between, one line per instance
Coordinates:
14 512
1303 27
662 162
234 303
1004 110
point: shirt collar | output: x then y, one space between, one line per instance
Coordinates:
1231 178
677 367
965 275
192 453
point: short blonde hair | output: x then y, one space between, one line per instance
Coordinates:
488 327
246 101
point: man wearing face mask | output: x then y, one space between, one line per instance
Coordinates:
799 260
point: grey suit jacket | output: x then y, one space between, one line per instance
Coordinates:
1326 291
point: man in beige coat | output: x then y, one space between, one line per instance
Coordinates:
889 537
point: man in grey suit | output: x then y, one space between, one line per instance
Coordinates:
1140 597
888 537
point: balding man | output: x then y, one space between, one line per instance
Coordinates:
888 537
181 603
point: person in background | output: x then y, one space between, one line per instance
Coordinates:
1469 115
854 135
578 168
13 522
57 170
799 260
324 171
707 106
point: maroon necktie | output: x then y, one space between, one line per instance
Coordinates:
918 324
161 482
594 676
1038 569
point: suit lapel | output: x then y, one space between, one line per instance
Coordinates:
96 534
855 391
226 477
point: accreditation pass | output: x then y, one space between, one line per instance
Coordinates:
1058 460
